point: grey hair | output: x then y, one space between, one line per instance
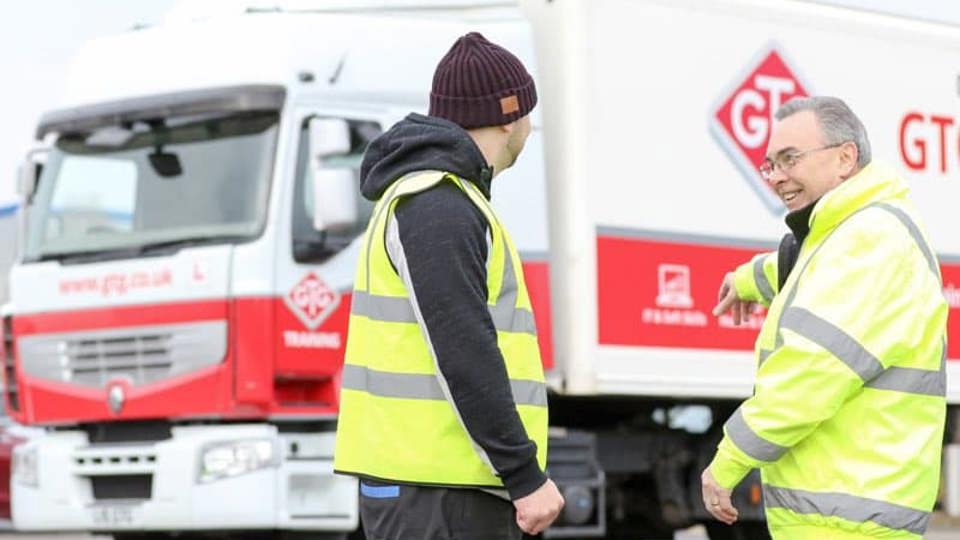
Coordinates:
837 122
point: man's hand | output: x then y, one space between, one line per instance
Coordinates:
717 499
536 511
727 299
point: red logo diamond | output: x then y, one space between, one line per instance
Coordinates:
312 301
742 120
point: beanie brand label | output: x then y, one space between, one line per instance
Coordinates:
509 104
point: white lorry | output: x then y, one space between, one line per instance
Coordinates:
179 303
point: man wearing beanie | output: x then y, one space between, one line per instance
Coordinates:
443 412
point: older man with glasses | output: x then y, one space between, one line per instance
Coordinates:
847 417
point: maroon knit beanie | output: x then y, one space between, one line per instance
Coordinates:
479 83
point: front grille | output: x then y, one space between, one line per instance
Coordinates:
140 355
9 363
122 486
143 358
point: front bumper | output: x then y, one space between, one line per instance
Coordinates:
300 492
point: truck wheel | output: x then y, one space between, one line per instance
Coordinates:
166 536
308 535
748 530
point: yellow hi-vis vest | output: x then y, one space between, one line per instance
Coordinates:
396 419
847 419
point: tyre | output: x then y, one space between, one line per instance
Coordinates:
307 535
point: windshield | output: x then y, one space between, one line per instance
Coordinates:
118 189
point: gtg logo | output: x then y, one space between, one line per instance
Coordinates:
312 301
742 120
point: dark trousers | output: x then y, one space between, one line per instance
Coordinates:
391 512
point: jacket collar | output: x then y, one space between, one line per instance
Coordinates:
874 183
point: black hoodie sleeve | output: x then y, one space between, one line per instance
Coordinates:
438 244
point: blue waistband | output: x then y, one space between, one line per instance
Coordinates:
379 492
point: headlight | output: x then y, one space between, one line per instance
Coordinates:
24 466
229 459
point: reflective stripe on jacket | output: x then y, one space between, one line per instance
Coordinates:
397 420
847 418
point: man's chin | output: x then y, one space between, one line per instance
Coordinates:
794 204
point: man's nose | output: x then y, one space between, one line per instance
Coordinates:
777 176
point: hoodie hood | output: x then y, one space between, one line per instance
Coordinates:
419 143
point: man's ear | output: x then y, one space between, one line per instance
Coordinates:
848 159
508 128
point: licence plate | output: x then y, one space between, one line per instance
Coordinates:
113 514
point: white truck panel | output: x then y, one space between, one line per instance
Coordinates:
192 274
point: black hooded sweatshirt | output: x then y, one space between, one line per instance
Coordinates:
443 250
790 244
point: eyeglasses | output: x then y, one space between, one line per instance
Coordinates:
787 161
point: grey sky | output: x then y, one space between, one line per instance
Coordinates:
38 37
37 40
932 10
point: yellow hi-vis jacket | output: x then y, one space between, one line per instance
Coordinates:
847 417
396 422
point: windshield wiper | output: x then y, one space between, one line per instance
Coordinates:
90 255
176 244
130 252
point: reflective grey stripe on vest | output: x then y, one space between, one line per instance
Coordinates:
506 316
760 277
382 308
834 340
398 309
747 440
861 361
421 386
912 380
915 233
383 208
919 381
848 507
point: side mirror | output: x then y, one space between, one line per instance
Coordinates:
28 175
334 199
328 137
